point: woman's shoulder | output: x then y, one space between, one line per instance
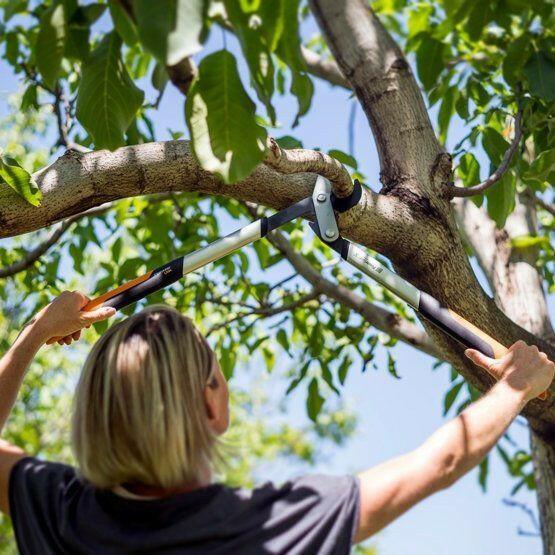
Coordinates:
34 473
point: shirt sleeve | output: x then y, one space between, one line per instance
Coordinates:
316 514
36 489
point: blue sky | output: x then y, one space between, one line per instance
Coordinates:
394 416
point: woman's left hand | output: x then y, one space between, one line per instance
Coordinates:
63 319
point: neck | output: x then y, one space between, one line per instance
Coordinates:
137 490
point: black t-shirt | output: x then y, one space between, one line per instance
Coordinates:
54 511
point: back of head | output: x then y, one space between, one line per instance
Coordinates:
139 412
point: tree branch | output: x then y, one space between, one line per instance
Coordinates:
382 80
455 191
76 182
541 203
182 74
326 69
268 311
30 257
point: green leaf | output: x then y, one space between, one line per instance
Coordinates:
226 138
108 99
294 383
257 54
469 170
483 473
344 369
526 241
273 21
77 44
494 144
29 98
501 199
171 29
314 400
479 16
430 61
391 366
540 71
451 396
51 42
20 180
542 167
283 340
344 158
159 77
287 141
123 24
289 50
515 58
446 111
303 88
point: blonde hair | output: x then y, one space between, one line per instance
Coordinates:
139 413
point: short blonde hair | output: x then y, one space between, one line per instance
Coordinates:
139 414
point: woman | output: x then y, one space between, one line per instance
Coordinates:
149 408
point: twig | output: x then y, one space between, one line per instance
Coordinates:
529 512
30 257
540 202
455 191
268 311
326 69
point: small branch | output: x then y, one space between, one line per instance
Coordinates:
33 255
30 257
299 160
455 191
268 311
325 69
540 202
529 512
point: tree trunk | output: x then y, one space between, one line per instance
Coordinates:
543 453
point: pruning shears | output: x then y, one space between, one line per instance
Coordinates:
321 208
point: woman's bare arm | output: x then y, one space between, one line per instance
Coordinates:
391 488
61 318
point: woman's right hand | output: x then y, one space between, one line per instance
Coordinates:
63 319
524 368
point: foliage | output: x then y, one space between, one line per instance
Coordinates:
477 62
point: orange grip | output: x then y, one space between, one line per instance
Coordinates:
498 350
99 301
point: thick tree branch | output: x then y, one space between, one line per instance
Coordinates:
76 182
455 191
